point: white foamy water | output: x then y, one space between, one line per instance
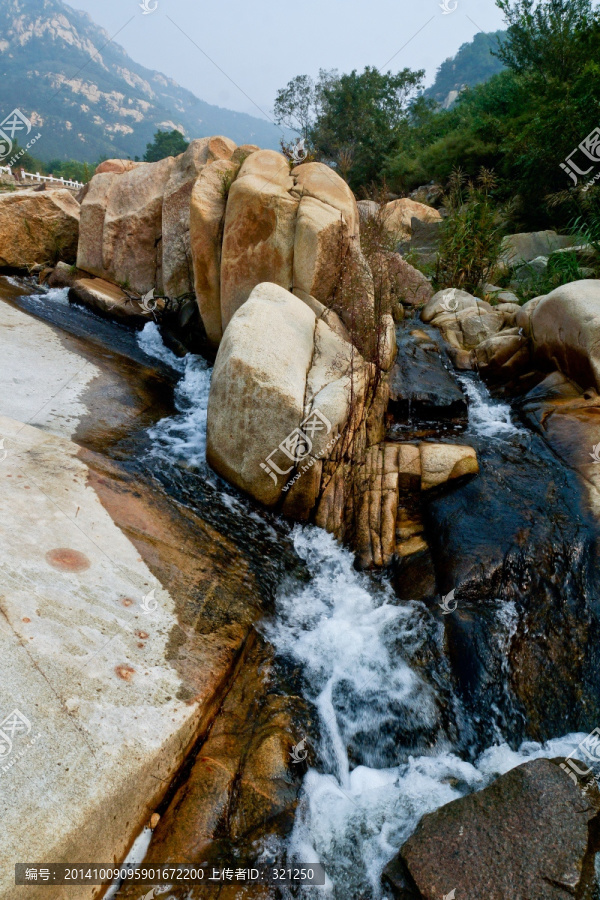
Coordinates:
181 437
353 818
487 417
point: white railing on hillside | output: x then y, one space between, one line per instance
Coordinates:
50 178
37 177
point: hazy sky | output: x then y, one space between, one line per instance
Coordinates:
261 45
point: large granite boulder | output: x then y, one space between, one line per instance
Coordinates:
207 213
136 219
260 222
38 227
177 265
258 389
297 229
531 835
517 249
398 216
280 392
565 330
121 226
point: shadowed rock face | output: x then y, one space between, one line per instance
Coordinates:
521 550
531 835
421 381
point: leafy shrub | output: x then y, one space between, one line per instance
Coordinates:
471 234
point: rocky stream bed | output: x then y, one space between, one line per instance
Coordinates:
271 702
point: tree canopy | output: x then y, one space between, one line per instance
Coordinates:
166 143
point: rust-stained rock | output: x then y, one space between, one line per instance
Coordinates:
242 785
177 257
38 228
258 241
207 214
398 216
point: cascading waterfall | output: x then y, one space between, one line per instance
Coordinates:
381 757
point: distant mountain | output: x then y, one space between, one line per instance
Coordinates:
107 106
472 65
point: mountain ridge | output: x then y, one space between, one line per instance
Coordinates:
96 100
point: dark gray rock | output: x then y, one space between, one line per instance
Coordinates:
531 835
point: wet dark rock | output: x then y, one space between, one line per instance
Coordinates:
531 835
182 330
520 548
422 383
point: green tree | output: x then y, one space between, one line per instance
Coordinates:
547 38
359 122
299 103
166 143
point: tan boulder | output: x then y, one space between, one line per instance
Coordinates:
523 316
509 312
116 166
280 397
445 462
476 329
38 227
398 216
90 250
257 391
498 349
367 209
322 183
450 300
107 299
178 275
207 212
132 246
565 328
320 243
241 154
407 285
258 240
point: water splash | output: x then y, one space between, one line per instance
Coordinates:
182 437
487 417
357 809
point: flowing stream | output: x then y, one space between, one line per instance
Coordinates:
380 758
390 739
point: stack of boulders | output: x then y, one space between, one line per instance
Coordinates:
478 335
302 322
299 314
